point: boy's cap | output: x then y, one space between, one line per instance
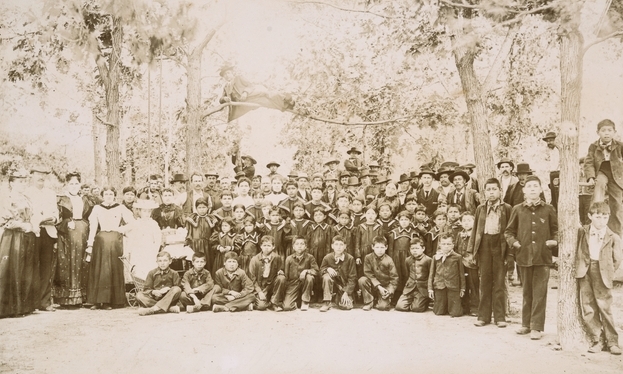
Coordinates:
549 135
40 169
468 166
506 161
524 168
330 177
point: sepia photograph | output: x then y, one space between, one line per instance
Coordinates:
331 186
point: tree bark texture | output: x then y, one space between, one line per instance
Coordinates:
474 98
571 332
97 149
113 164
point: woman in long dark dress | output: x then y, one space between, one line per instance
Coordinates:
19 283
106 287
73 232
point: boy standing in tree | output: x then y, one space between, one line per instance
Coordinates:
531 234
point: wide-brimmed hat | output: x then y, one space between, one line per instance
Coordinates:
331 161
383 180
40 169
344 173
444 170
364 174
505 161
374 164
19 173
460 172
144 204
354 181
211 173
293 174
272 163
549 135
427 171
317 175
449 164
178 178
225 68
250 158
523 168
468 166
353 150
404 178
302 175
414 174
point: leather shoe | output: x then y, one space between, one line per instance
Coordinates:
522 331
535 335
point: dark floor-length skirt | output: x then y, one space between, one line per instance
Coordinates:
19 273
69 281
106 282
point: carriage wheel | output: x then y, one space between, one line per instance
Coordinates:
131 297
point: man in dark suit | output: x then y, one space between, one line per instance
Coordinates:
466 198
427 195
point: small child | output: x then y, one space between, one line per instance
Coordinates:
161 291
299 226
380 278
301 272
432 236
198 286
287 204
338 276
316 202
598 257
346 230
356 208
200 227
248 243
256 210
366 232
385 219
266 273
453 215
319 235
420 221
222 241
414 295
446 280
471 298
233 290
225 211
277 228
398 249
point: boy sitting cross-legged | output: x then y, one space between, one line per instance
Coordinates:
198 286
161 291
233 290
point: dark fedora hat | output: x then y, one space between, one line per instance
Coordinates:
354 181
272 163
374 164
40 169
549 135
524 168
404 177
444 170
344 173
468 166
178 178
449 164
353 150
461 173
505 161
211 173
429 172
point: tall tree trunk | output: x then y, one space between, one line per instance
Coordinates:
571 333
474 98
193 102
113 165
97 148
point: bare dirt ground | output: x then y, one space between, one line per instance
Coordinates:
119 341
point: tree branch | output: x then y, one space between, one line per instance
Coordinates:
344 9
460 5
220 107
498 63
597 41
104 122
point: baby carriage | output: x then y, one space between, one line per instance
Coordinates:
137 283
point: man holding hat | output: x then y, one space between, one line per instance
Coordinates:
506 177
466 198
45 210
552 161
353 163
427 195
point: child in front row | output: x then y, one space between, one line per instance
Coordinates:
446 280
233 290
415 296
266 273
471 297
198 286
599 255
380 277
301 272
161 290
338 276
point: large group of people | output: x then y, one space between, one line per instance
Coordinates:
343 237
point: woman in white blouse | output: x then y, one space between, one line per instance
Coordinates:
106 287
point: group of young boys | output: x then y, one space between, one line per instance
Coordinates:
391 253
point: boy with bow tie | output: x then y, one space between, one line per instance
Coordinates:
446 280
599 255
